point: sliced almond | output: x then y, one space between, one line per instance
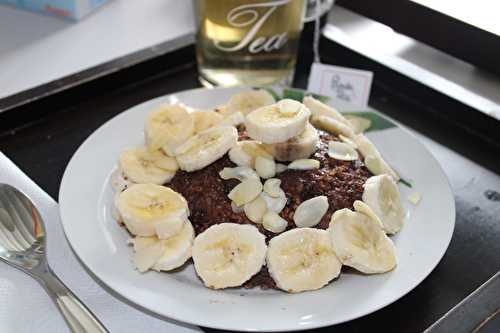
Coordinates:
255 209
415 198
240 173
304 164
289 107
280 168
265 167
273 222
342 151
272 187
275 204
235 208
246 191
310 212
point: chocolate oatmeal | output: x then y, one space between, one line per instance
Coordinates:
206 193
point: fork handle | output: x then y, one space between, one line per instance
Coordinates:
75 313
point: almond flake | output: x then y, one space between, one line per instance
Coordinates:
415 198
310 212
246 191
342 151
304 164
255 209
272 187
273 222
265 167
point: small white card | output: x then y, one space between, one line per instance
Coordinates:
348 88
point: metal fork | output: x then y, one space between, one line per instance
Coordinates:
23 246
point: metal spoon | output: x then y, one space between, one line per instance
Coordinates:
22 245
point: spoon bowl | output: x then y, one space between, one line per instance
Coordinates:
23 246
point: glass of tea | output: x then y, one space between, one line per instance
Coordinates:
247 42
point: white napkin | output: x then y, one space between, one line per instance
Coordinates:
24 306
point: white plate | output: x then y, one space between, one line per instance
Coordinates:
86 196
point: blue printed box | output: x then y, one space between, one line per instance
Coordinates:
72 9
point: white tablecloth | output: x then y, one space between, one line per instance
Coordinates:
24 306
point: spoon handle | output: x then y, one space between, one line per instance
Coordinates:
75 313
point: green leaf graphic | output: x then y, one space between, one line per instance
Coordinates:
297 95
321 98
405 182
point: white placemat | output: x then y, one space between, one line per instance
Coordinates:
24 306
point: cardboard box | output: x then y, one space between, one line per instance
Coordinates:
70 9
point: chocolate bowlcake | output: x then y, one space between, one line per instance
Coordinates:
207 189
207 193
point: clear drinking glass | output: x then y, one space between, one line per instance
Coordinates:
247 42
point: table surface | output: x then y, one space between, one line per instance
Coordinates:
28 40
43 148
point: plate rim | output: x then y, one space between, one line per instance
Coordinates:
143 306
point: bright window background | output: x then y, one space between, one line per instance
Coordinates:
479 13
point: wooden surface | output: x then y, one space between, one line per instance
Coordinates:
43 147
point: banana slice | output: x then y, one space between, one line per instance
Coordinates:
301 146
246 102
278 122
378 166
342 151
235 119
359 124
319 108
119 181
115 213
245 152
206 147
381 194
360 242
163 254
142 166
204 119
373 160
360 207
302 259
168 128
332 125
228 254
149 210
350 142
